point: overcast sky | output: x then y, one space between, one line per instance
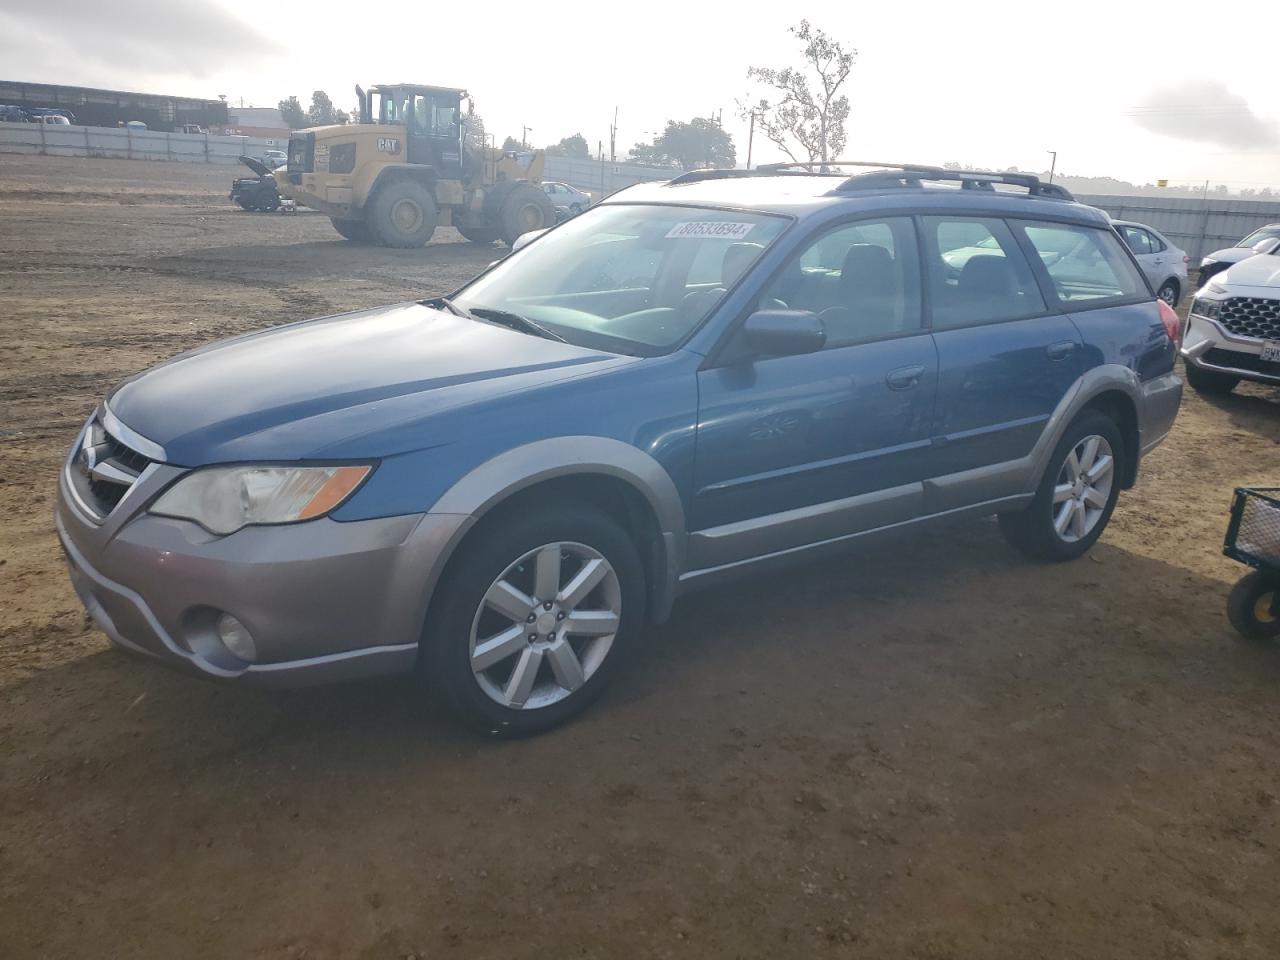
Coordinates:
1139 91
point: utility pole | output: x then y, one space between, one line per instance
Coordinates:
613 139
1054 165
524 136
751 136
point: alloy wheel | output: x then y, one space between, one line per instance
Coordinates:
1083 488
545 625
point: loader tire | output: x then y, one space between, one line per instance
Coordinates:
356 230
402 214
479 234
525 208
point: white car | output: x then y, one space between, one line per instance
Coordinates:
275 158
1219 260
568 201
1233 329
1164 264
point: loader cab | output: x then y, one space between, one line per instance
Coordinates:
432 118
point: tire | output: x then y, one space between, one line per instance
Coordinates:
479 234
245 205
576 209
506 549
524 208
1210 382
402 214
1253 606
1039 531
269 204
351 229
1169 292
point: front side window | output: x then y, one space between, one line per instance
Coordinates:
977 273
622 277
1084 263
862 279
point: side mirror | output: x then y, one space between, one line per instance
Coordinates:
784 333
1268 246
527 238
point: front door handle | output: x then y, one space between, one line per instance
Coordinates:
904 378
1060 351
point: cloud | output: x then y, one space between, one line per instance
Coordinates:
1206 112
57 39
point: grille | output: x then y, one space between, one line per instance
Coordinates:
104 469
1256 534
1251 317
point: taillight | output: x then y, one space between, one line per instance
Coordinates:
1172 325
1185 258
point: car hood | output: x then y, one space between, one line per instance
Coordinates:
257 166
358 385
1231 254
1257 271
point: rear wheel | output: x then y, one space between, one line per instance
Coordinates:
533 618
402 214
1076 495
1168 292
351 229
479 234
1210 381
1253 606
525 208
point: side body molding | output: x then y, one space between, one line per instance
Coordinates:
521 467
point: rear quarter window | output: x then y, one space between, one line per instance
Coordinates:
1084 264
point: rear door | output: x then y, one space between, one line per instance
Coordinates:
1006 358
798 449
1148 251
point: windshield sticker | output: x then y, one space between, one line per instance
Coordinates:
710 230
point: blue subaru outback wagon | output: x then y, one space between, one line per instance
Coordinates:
690 381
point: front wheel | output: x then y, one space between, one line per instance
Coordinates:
402 214
1210 381
533 618
1076 495
1253 606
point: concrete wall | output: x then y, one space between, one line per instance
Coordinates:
1197 226
128 144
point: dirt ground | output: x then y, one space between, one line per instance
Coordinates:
930 750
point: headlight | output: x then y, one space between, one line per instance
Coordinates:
224 499
1207 261
1206 308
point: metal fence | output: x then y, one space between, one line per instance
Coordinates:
128 143
600 177
1198 226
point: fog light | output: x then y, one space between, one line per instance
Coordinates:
235 637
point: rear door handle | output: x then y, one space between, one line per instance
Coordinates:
904 378
1060 351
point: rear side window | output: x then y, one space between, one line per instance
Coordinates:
977 273
1139 240
1085 263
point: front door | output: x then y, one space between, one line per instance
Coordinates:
435 136
799 449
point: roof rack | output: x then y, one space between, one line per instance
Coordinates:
888 175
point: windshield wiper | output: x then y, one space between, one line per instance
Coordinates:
515 321
449 305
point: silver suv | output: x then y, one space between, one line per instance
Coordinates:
1233 329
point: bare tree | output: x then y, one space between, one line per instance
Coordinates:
806 112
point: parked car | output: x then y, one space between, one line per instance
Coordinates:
55 119
1164 263
690 381
275 158
1233 328
1222 259
256 193
568 201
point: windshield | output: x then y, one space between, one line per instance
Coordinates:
631 279
1264 233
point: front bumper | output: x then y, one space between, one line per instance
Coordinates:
1209 346
324 600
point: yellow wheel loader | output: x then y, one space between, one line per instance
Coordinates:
412 164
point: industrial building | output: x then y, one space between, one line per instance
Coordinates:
110 108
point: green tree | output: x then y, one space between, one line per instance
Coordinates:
698 143
573 146
804 113
294 116
321 113
511 143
